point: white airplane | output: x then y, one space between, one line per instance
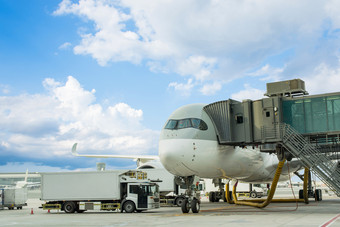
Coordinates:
188 147
22 184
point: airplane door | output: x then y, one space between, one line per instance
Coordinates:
270 117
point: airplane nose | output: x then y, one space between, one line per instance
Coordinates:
172 156
167 156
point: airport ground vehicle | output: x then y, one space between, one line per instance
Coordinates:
243 189
13 198
127 191
170 192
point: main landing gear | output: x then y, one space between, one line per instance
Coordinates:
215 196
192 200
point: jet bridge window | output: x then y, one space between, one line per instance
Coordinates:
186 123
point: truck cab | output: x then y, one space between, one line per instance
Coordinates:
141 197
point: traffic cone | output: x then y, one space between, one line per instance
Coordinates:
31 210
48 211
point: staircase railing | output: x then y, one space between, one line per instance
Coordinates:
319 163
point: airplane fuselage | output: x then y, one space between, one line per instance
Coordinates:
188 146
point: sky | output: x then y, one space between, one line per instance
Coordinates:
107 74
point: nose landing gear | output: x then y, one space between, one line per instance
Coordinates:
192 199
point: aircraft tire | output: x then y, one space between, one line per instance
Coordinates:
217 197
195 206
185 206
212 197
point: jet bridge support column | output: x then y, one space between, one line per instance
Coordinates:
227 194
271 193
263 203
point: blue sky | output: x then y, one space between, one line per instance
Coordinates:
107 74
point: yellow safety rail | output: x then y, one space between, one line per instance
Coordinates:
50 206
110 206
265 202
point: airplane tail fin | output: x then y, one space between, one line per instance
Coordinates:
26 176
74 149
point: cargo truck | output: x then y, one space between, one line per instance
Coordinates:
122 190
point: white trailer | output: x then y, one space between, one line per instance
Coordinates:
14 198
1 198
100 190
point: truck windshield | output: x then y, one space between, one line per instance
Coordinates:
146 190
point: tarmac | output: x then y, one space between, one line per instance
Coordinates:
323 213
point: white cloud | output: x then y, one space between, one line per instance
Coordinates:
248 93
211 89
183 89
210 40
4 89
198 66
324 79
65 46
268 72
47 125
17 167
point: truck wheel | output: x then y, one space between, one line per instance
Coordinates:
179 201
129 207
69 207
253 194
185 206
195 206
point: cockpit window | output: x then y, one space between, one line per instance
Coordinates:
172 124
198 123
186 123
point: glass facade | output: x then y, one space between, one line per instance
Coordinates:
313 115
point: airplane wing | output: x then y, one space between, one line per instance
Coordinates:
141 158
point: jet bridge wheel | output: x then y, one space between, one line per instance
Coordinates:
318 195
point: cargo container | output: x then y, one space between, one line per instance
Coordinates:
14 198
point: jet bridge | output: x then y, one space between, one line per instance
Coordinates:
288 120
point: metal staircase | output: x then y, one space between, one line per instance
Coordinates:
319 163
